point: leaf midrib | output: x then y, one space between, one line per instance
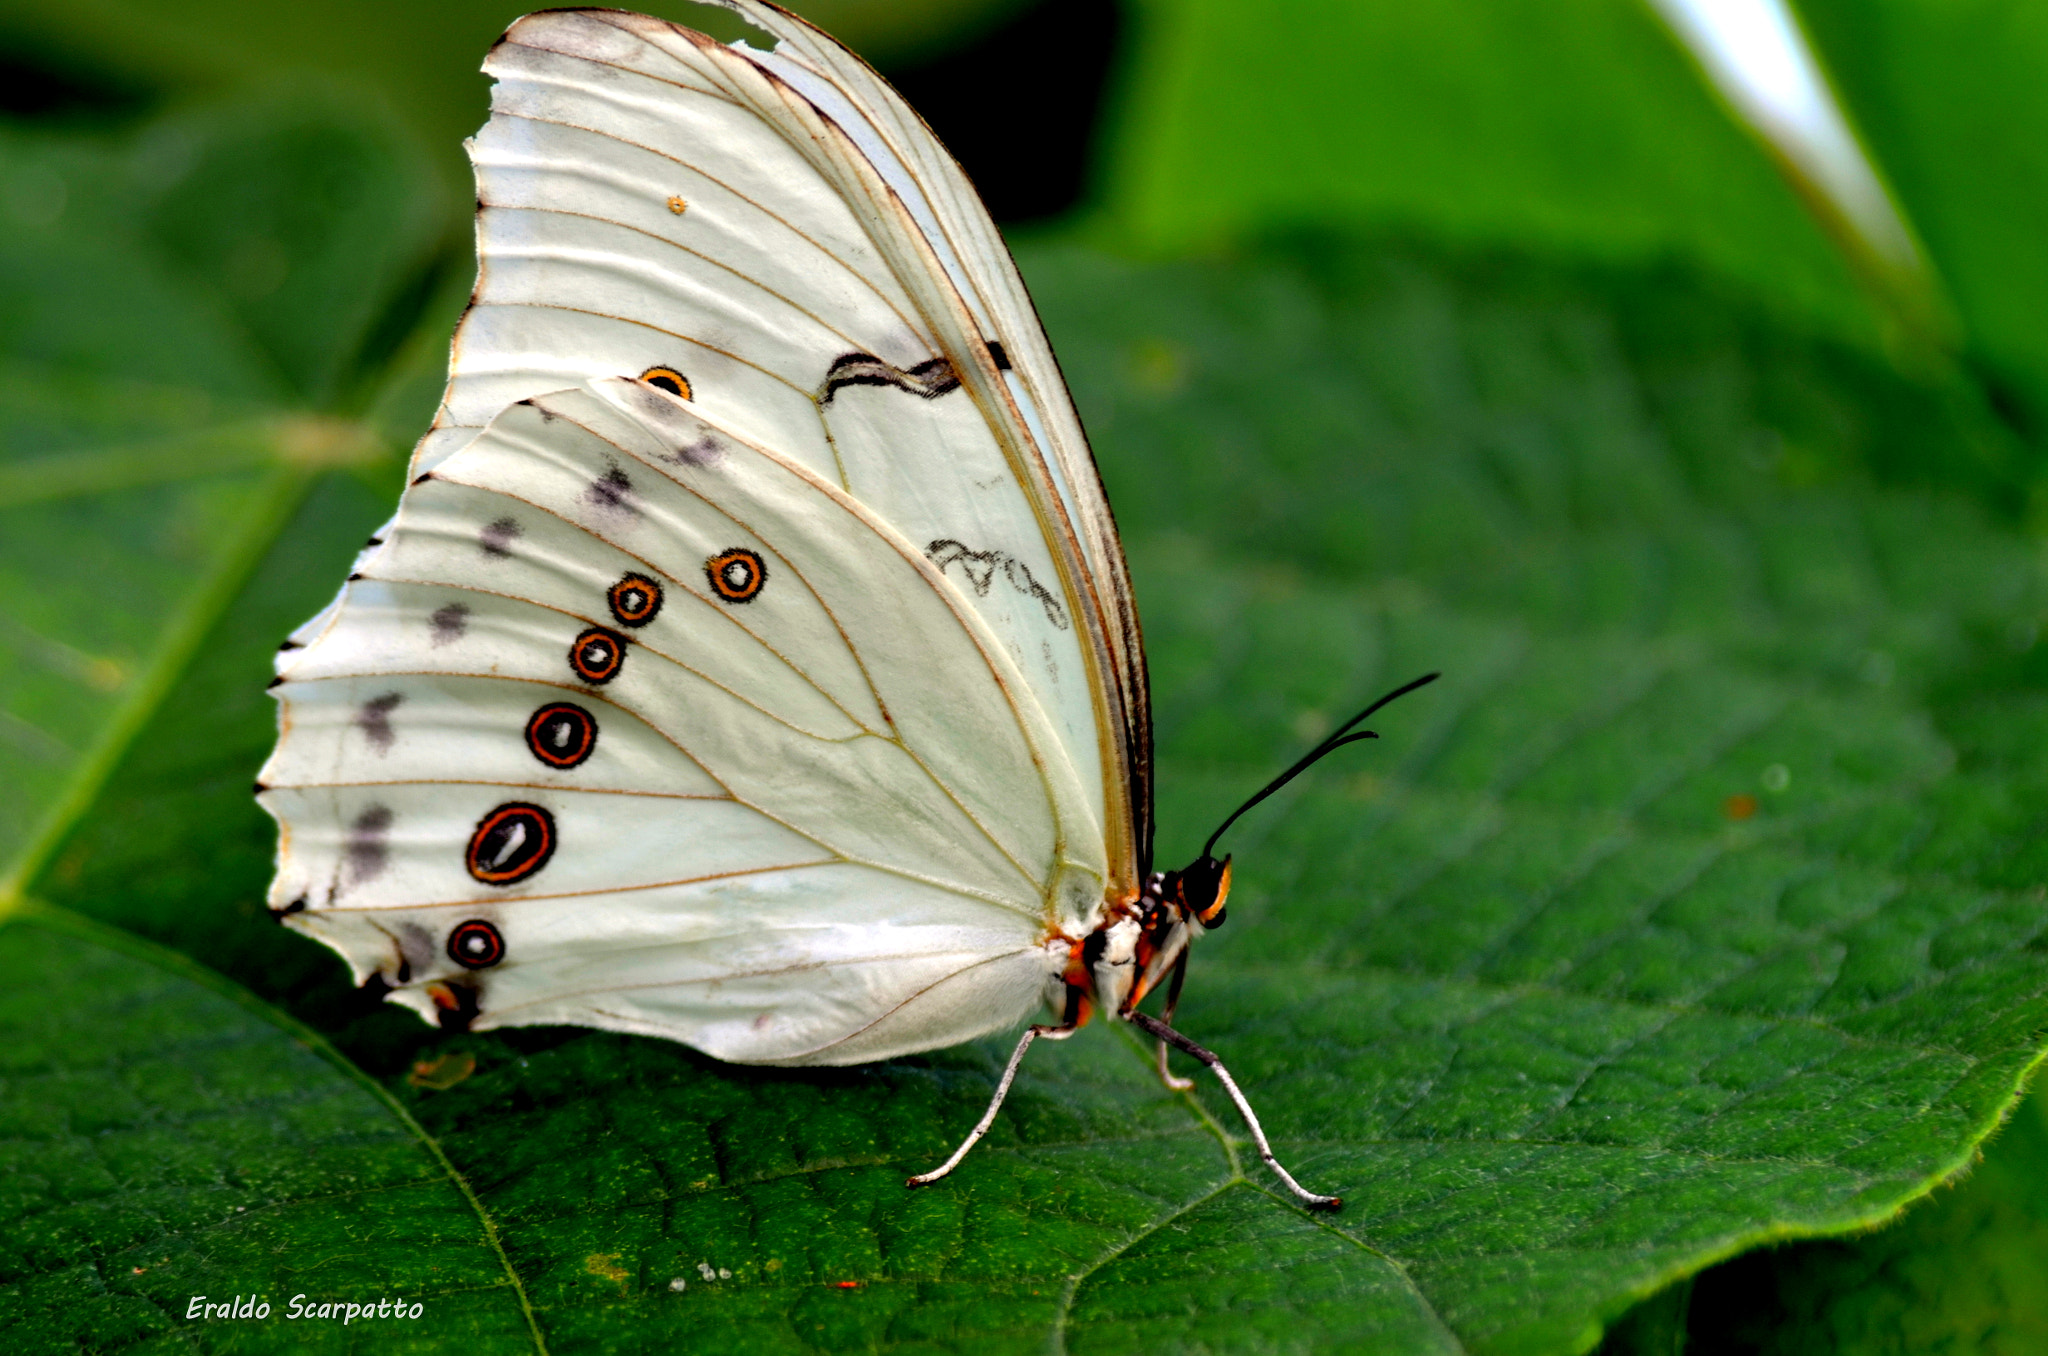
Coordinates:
282 491
1057 1339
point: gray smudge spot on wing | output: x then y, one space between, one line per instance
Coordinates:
497 537
450 621
703 451
416 947
366 852
612 494
374 720
694 444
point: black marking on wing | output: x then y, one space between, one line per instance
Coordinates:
374 720
980 568
449 623
612 494
931 378
368 850
1002 359
495 538
456 1003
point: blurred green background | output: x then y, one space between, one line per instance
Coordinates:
237 238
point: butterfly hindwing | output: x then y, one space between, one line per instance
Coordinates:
847 744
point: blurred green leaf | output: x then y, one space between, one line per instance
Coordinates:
1560 1012
165 1140
1952 104
1578 127
153 431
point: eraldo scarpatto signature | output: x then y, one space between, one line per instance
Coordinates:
345 1312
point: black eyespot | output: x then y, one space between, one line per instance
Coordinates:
598 655
561 734
736 575
635 600
475 945
667 379
511 843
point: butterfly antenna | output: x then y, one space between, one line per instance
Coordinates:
1338 738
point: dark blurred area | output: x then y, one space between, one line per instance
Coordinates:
1019 105
1017 96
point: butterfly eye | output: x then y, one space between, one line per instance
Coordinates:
475 944
1204 886
511 843
736 575
561 734
598 655
667 379
635 599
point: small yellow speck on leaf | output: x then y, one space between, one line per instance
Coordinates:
443 1071
606 1264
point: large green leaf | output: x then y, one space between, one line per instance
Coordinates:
185 315
1694 908
1966 1271
168 1143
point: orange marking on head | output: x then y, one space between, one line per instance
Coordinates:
1215 906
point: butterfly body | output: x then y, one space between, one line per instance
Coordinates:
751 661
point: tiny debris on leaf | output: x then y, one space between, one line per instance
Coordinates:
442 1072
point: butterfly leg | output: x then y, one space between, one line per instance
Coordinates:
1168 1036
1166 1075
988 1118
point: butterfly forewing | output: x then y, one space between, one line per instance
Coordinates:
819 231
850 721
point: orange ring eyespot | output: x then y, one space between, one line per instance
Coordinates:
736 575
667 379
511 843
598 655
476 945
561 734
634 600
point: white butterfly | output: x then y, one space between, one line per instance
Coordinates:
752 660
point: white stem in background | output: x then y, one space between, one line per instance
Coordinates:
1757 57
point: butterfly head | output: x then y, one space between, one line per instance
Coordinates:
1201 888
